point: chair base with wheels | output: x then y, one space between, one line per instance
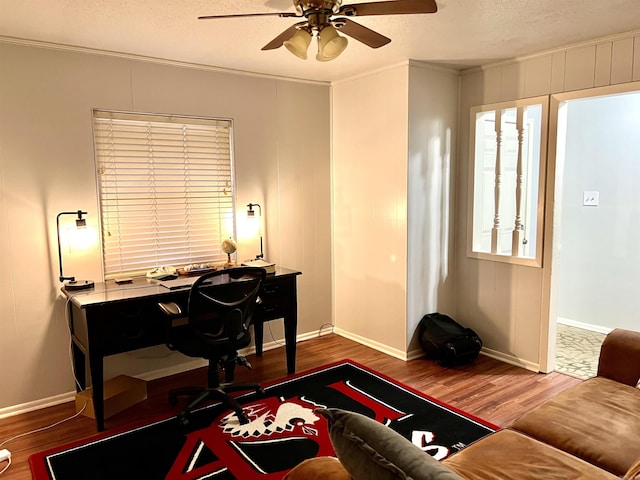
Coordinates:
216 390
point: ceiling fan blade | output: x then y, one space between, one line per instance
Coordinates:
238 15
283 37
361 33
392 7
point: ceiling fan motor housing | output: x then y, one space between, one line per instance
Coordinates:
330 6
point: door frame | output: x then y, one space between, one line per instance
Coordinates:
553 193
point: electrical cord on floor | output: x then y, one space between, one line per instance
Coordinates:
41 429
8 460
331 325
68 319
272 336
324 325
5 455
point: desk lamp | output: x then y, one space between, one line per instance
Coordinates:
251 213
83 233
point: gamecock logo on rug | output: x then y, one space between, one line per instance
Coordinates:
280 434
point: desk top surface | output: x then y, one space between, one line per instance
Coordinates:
110 291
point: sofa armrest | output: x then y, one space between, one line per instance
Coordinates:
620 357
634 471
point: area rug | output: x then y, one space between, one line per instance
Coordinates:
577 351
284 430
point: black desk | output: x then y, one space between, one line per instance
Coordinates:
110 319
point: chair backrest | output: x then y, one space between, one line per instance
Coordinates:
221 305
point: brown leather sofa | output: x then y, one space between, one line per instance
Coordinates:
590 431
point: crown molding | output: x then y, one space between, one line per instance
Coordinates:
552 51
156 60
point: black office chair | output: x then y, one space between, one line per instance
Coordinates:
219 312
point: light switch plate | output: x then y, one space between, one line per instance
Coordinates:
590 198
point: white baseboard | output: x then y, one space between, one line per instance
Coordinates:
584 326
418 353
37 404
518 362
510 359
394 352
147 376
70 396
199 363
415 353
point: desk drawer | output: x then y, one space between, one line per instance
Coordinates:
278 299
127 326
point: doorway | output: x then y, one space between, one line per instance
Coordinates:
596 254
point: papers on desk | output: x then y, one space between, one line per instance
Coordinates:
178 283
269 267
186 281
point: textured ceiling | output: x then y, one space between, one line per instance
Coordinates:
462 33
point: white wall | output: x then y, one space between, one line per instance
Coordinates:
393 143
598 255
508 305
47 166
282 145
433 119
370 124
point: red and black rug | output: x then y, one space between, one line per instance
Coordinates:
284 430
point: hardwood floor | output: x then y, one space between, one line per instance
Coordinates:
488 388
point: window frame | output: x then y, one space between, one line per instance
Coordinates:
225 209
537 259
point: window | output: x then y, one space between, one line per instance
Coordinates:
166 190
508 151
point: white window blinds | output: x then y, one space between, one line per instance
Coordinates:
166 190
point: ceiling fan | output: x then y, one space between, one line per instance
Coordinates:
320 18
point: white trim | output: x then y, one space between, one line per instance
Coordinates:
584 326
147 376
191 365
372 344
403 63
510 359
415 354
70 396
593 92
36 405
536 261
549 298
434 67
142 58
551 51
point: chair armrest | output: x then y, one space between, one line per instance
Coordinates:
620 357
171 309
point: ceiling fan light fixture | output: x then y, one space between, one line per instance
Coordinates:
299 43
317 18
330 44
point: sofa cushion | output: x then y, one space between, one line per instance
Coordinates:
634 471
598 420
370 450
318 468
511 455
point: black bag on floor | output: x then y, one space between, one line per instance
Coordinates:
447 342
